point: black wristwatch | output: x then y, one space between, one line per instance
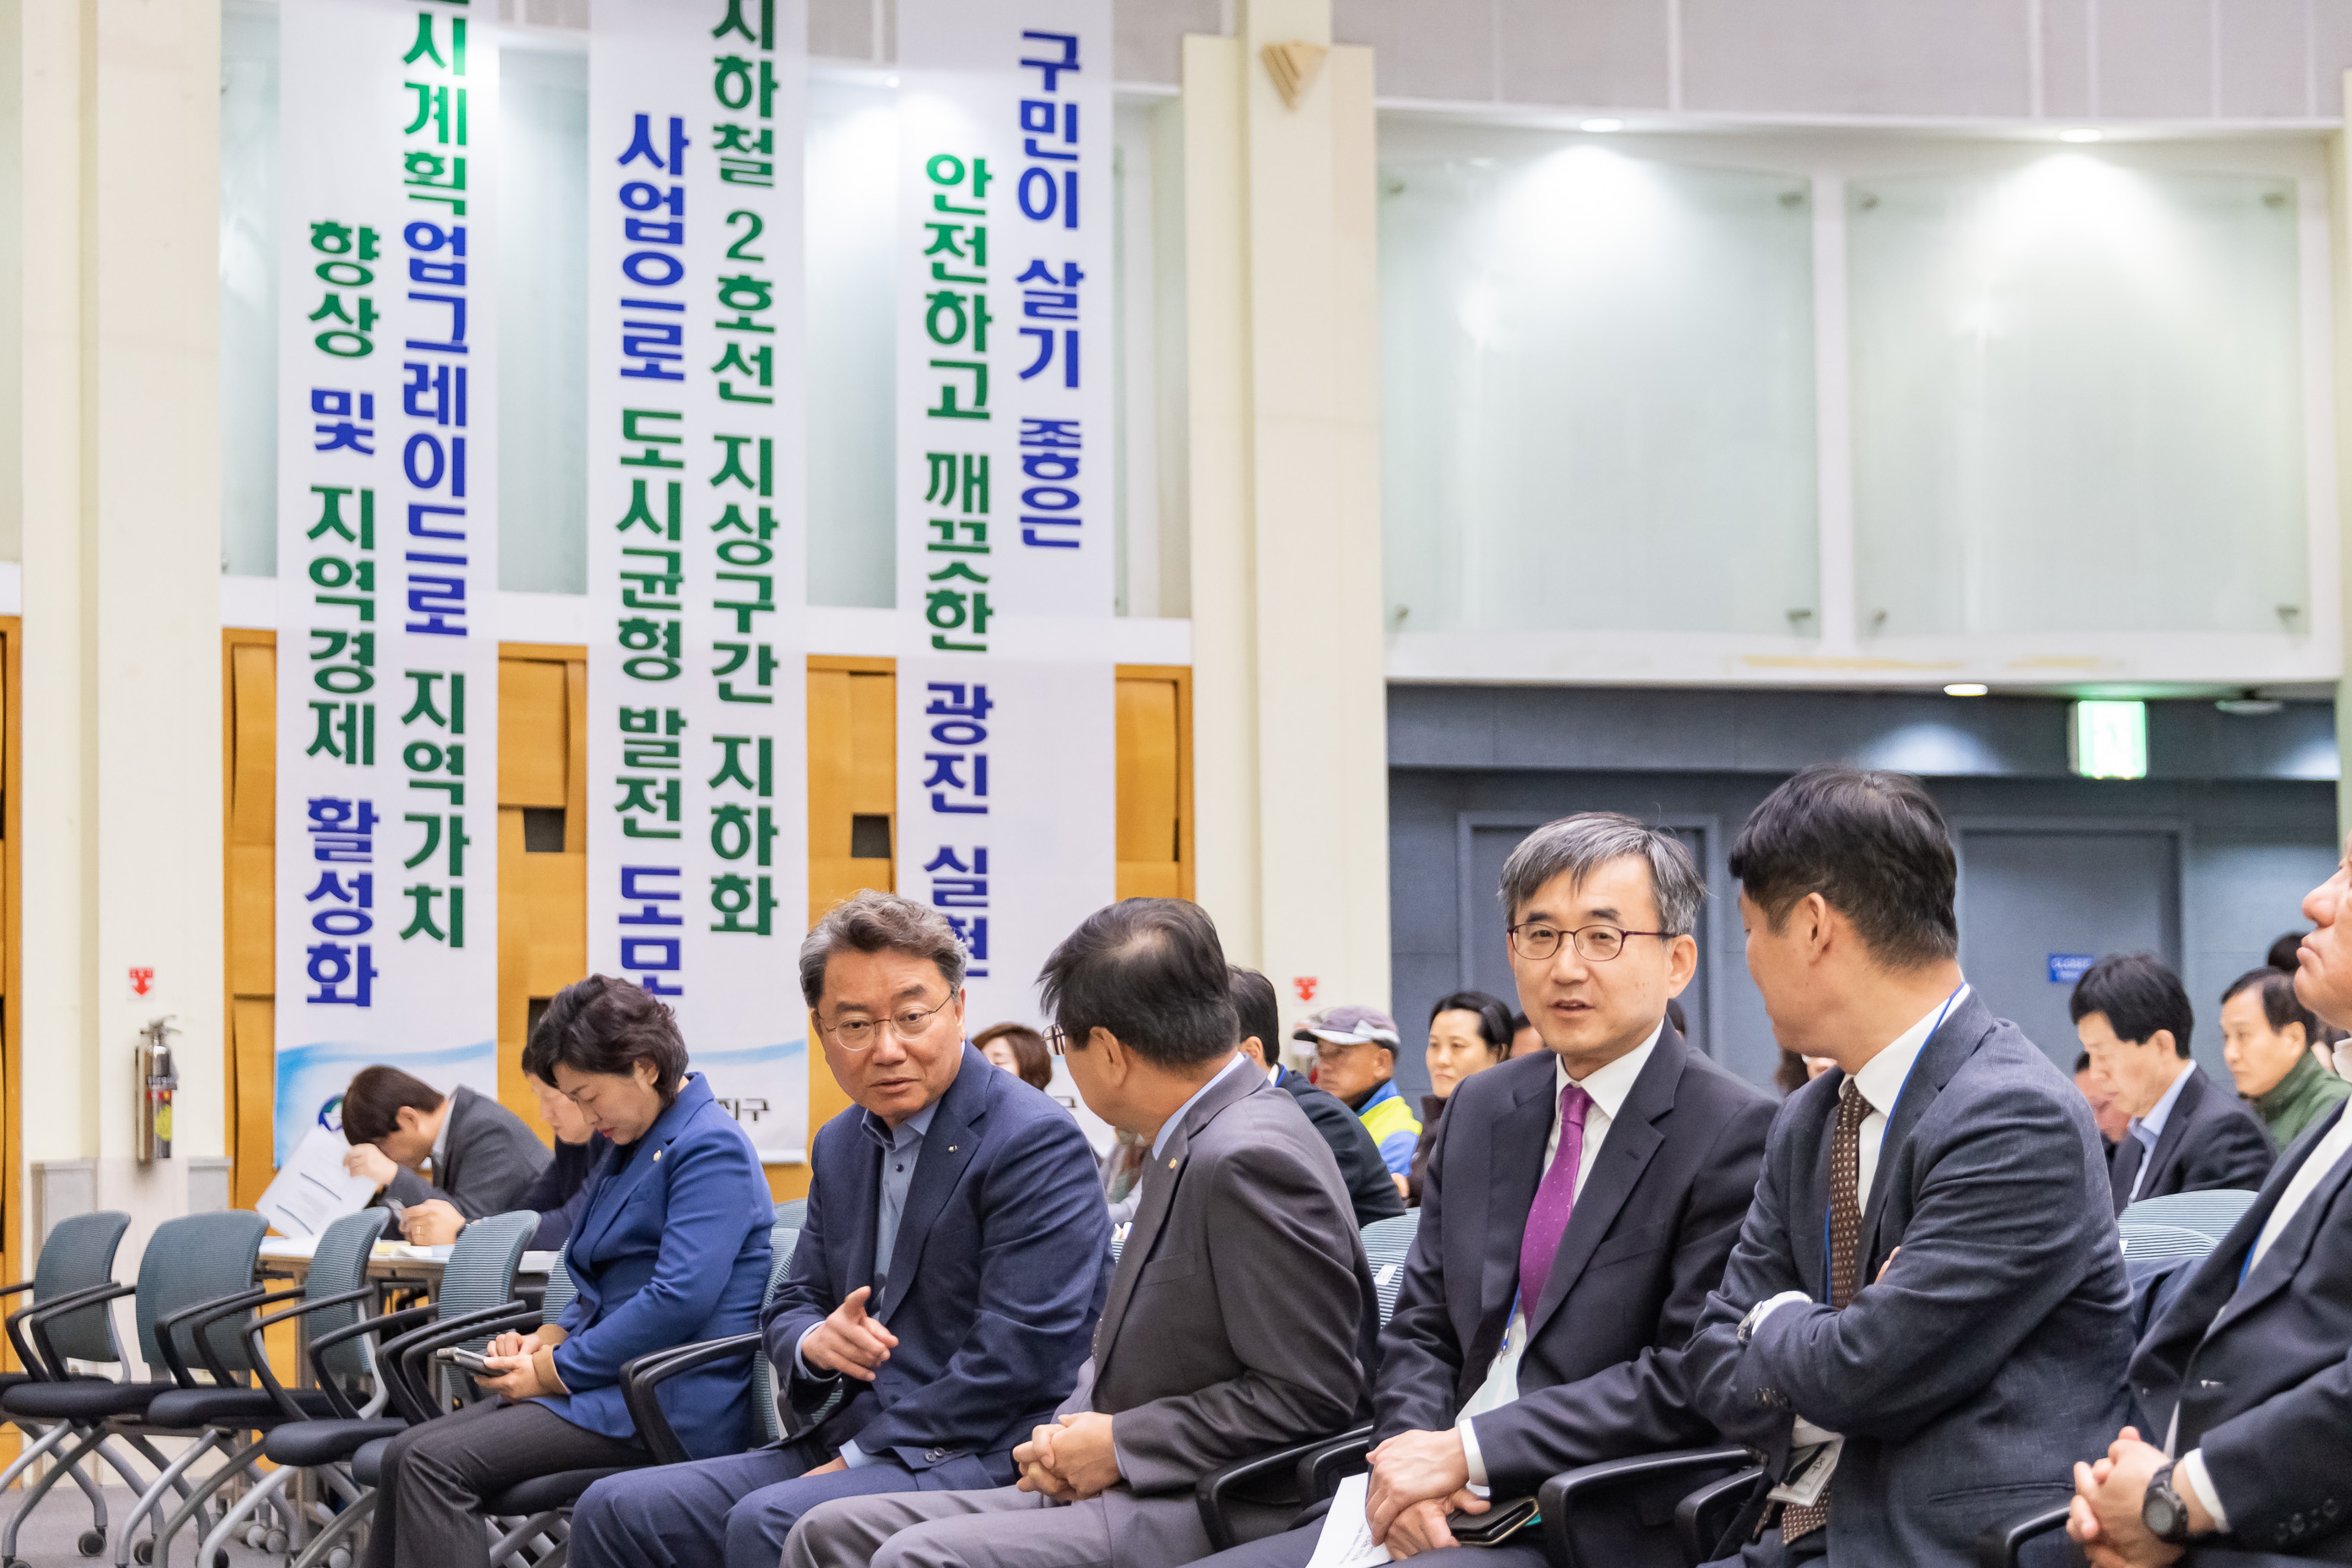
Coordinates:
2166 1516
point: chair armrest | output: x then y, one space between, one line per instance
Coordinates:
259 1356
25 1352
1998 1546
1319 1472
1214 1493
38 1319
1561 1497
411 1387
200 1317
1705 1517
641 1377
401 1321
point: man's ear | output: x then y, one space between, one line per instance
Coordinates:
2162 1039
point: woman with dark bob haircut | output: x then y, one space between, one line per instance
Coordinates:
672 1248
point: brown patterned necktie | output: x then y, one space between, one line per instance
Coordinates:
1845 1256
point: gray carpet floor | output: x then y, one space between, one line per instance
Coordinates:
47 1540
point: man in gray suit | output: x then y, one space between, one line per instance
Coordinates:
483 1156
1242 1315
1925 1317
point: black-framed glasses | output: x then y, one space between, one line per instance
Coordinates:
1058 1040
909 1024
1535 941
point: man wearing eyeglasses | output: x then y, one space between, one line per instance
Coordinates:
949 1273
1576 1208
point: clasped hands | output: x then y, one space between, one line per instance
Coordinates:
2105 1517
1419 1479
1070 1460
515 1358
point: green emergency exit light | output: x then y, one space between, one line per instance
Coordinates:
2108 740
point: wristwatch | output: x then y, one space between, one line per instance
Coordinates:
2166 1516
1755 1315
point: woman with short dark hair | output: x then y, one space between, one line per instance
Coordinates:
671 1249
1019 1050
1468 1032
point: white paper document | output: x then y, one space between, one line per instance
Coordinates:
312 1190
1347 1538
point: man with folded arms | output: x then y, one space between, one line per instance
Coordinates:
1242 1314
1928 1303
953 1262
2245 1375
1577 1209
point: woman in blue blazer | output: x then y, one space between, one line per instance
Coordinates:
672 1248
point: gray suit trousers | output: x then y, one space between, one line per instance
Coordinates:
1007 1527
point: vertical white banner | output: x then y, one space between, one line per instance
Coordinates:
1007 764
387 552
697 838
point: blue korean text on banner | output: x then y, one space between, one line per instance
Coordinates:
1007 762
387 550
2065 968
697 793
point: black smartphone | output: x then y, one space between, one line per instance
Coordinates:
1496 1525
458 1356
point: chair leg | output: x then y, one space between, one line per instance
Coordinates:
219 1538
34 1429
152 1500
91 1442
521 1535
232 1465
362 1510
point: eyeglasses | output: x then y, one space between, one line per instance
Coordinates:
1533 941
1058 1040
909 1024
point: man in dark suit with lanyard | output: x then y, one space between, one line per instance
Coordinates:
1928 1299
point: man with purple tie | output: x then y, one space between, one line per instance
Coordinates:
1579 1207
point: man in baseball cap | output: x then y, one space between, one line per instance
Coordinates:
1355 1059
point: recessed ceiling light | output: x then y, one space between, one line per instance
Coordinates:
2083 133
1966 689
1603 123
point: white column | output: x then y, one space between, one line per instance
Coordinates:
109 467
1289 703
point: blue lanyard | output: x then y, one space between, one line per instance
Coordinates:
1941 1013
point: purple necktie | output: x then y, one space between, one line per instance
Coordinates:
1555 1201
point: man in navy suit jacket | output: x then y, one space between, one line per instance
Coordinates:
1930 1275
2243 1382
948 1274
1504 1366
2186 1134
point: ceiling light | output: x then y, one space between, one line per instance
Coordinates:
1603 123
2083 133
2249 706
1967 689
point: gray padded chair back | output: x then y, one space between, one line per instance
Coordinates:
196 1258
1387 1243
79 1255
2214 1212
339 1264
792 1211
561 1287
780 1242
2152 1243
481 1268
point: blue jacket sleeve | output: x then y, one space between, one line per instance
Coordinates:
1397 1150
1045 1240
701 1234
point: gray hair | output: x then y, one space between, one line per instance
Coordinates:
879 923
1582 844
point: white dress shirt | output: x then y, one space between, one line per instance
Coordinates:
2315 1170
1880 1082
1608 1086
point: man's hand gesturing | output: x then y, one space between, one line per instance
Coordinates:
848 1341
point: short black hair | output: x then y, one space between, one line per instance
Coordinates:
2137 995
1494 1018
607 1026
1152 973
373 1102
1257 1014
1518 1022
2083 1062
1874 847
2281 1005
2285 954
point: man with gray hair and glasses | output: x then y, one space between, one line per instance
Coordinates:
1577 1208
948 1274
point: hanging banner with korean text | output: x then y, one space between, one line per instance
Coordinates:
1007 767
387 552
697 839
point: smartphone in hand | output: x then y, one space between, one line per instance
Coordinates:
458 1356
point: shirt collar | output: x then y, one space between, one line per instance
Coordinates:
1881 1079
441 1135
909 1131
1609 1085
1168 1128
2149 1127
